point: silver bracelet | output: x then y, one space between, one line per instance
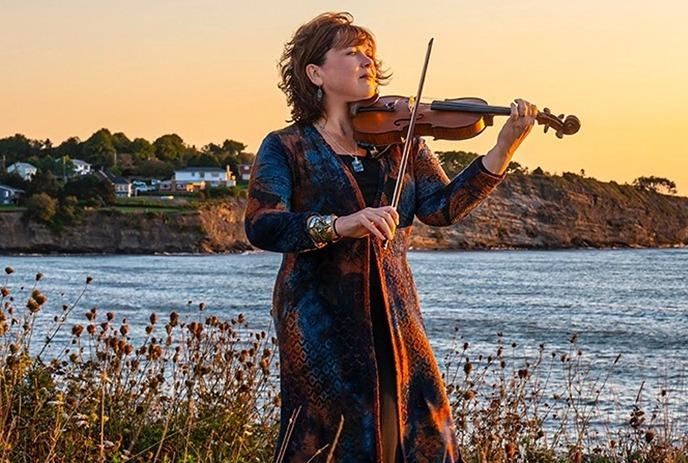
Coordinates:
321 229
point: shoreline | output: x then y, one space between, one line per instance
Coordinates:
411 249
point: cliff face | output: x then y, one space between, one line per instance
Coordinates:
525 211
211 229
548 212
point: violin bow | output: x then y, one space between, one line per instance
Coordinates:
409 134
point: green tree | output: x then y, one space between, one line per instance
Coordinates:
90 187
656 184
121 143
71 147
142 149
99 149
16 148
203 160
169 147
233 147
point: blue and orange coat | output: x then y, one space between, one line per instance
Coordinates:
321 303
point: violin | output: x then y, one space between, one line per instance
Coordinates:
387 119
395 119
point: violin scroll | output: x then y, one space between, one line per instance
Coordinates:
563 126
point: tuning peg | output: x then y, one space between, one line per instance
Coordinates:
560 134
547 111
561 117
546 128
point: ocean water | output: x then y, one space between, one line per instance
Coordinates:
632 303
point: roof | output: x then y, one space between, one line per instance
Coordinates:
200 169
80 162
25 165
11 188
112 177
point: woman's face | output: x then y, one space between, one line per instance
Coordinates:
348 74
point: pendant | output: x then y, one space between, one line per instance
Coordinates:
357 164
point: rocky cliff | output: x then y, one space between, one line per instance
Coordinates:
526 211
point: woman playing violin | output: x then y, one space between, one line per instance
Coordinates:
357 373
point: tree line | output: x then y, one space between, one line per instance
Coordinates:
120 155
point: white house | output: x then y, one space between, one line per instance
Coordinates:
122 186
24 169
81 167
209 176
9 195
245 171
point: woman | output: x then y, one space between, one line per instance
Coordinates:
351 337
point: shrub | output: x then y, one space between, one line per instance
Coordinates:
41 208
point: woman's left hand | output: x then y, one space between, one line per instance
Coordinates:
518 125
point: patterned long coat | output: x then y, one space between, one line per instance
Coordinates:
321 304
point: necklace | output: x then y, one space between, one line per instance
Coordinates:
356 163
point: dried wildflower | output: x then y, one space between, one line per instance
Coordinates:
124 329
201 306
149 329
77 330
39 297
14 348
153 318
174 318
523 373
469 394
89 280
241 318
33 305
467 368
110 316
9 270
649 435
91 329
39 275
573 338
5 292
265 366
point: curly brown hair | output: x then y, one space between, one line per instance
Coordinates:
309 45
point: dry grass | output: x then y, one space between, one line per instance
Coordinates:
199 389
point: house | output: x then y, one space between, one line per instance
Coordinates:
192 178
9 195
245 171
122 186
81 167
24 169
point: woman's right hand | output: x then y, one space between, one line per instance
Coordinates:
380 221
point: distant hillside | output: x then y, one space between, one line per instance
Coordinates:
549 212
525 211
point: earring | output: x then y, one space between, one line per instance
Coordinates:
319 94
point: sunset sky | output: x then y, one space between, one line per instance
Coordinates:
206 70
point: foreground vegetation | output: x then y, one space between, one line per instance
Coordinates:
194 388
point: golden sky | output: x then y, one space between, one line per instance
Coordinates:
206 70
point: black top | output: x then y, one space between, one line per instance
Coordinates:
368 179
